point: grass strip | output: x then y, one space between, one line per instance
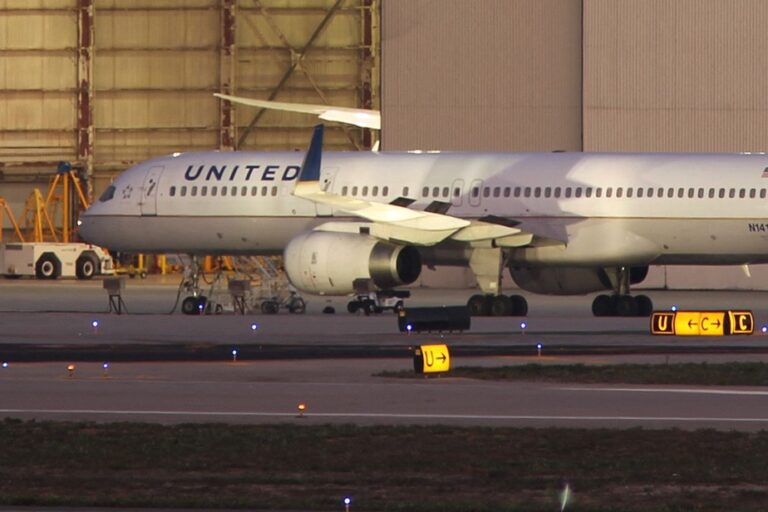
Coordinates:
700 374
413 468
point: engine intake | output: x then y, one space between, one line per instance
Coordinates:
329 263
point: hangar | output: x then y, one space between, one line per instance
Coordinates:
103 84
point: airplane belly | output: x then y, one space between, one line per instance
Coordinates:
195 235
608 242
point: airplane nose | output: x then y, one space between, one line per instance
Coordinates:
84 228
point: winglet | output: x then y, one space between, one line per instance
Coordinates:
310 168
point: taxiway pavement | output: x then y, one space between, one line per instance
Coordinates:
346 390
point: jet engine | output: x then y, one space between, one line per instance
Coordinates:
571 280
329 263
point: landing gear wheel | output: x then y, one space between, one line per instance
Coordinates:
297 306
193 305
519 305
501 305
625 305
479 305
86 266
47 267
644 305
602 306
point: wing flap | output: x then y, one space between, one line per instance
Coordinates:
396 222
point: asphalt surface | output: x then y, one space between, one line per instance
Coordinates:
329 362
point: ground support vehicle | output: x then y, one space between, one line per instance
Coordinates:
378 302
50 260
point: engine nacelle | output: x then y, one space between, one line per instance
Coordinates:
571 280
328 263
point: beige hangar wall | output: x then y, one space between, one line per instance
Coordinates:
481 75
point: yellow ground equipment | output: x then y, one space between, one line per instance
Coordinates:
5 210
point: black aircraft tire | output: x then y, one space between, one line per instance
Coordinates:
501 305
602 306
519 305
644 305
478 305
189 306
625 305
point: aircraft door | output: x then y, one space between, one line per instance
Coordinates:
326 183
457 192
149 188
475 191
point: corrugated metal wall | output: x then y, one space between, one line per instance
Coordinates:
155 65
675 75
481 75
37 79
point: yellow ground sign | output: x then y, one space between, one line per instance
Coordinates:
663 322
702 323
432 359
742 322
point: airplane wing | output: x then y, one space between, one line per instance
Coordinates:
355 116
395 221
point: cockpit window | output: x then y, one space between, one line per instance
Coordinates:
108 194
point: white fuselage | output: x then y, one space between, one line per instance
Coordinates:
588 209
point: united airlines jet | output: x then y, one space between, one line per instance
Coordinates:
560 223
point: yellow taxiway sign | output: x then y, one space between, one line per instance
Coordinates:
431 359
702 323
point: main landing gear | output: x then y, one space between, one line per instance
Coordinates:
621 303
497 305
487 264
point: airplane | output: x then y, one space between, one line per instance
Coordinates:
561 223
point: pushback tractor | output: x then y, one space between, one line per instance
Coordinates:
53 260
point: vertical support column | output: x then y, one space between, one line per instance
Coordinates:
227 75
367 66
85 50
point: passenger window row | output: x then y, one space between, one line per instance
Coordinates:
487 192
213 191
365 190
576 192
620 192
